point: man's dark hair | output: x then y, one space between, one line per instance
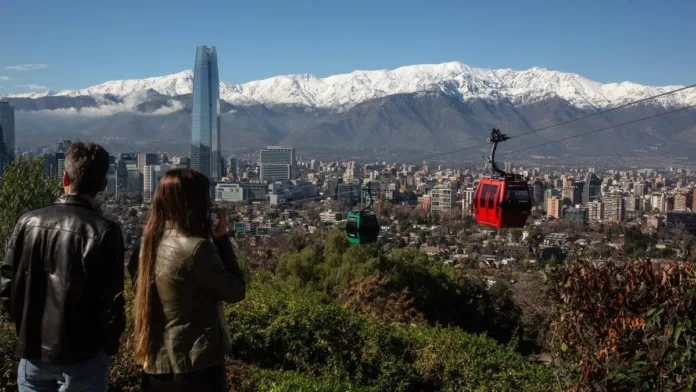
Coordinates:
87 165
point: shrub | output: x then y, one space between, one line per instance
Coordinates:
626 326
430 289
275 329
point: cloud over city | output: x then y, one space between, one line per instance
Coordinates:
25 67
4 77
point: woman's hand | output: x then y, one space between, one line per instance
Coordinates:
223 224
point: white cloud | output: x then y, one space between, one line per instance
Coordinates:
128 105
25 67
5 78
32 86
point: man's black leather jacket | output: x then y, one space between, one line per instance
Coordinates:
62 283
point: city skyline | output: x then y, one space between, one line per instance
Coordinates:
205 124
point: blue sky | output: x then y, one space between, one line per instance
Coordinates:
78 43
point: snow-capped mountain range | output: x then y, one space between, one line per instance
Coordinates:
347 90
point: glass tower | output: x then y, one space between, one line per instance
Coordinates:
7 135
277 163
205 128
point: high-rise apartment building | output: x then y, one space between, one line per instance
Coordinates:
614 210
353 173
538 192
657 201
682 201
7 135
468 200
277 163
640 189
596 210
553 207
146 159
205 127
443 197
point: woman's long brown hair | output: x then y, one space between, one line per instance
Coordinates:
182 200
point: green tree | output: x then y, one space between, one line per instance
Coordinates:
23 188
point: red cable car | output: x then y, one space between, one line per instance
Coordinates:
502 200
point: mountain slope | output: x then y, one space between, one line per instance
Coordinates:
347 90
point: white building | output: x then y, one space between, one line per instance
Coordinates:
443 197
230 192
596 211
614 210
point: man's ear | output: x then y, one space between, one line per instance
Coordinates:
66 180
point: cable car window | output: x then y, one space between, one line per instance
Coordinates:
352 227
491 196
484 195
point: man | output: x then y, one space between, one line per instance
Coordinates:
62 283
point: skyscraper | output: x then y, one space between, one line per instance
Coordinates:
146 159
205 127
277 163
614 210
7 134
592 188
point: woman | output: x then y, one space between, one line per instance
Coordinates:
182 278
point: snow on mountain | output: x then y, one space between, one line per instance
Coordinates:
175 84
454 78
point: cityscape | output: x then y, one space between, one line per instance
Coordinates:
417 224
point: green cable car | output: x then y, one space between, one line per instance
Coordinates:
362 226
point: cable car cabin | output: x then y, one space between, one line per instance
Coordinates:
502 202
362 227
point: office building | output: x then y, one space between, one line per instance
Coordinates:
111 179
591 189
50 166
60 164
507 167
640 189
614 209
468 200
146 159
580 215
595 211
63 145
553 207
151 176
7 135
127 163
277 163
682 201
205 127
353 173
538 192
348 194
443 197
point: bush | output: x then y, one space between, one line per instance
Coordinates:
408 279
23 188
275 329
626 326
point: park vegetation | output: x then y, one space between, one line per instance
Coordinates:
322 315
